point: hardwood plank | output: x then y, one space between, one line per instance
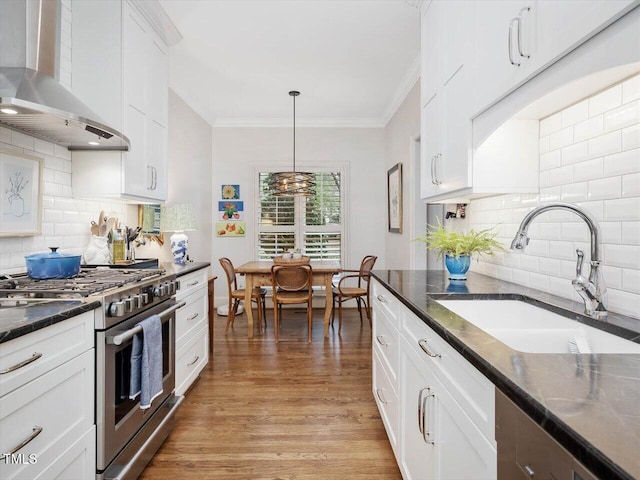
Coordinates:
292 411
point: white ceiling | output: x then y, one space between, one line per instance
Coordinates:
352 60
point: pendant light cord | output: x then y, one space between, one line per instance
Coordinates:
294 133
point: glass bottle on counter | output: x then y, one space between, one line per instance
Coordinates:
118 246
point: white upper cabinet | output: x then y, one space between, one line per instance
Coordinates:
516 39
448 69
475 56
120 69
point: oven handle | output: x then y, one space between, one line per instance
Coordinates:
123 337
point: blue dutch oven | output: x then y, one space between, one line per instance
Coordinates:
52 265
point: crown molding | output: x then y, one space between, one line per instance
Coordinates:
153 13
406 84
300 122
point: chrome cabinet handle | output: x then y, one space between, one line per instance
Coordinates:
150 168
193 317
380 397
513 20
423 345
381 341
33 358
426 434
36 431
194 361
529 471
155 178
420 411
193 283
520 23
382 299
436 181
433 166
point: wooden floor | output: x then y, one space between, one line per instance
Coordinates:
289 411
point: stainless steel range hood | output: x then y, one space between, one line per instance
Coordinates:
31 100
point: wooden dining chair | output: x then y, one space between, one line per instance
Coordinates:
359 292
291 284
236 294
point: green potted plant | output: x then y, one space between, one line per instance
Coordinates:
458 248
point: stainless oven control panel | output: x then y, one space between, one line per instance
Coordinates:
133 299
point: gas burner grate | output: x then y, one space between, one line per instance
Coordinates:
87 282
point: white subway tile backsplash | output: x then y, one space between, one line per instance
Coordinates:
550 124
606 144
575 232
528 262
625 256
62 152
551 194
605 188
622 210
551 160
561 138
574 192
589 128
21 140
41 146
630 281
520 277
607 100
621 163
53 163
561 287
588 170
578 152
630 233
612 276
539 281
628 114
562 250
631 185
624 302
561 176
549 266
543 145
544 179
576 113
611 232
631 137
631 89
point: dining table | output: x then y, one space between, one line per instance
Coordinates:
257 273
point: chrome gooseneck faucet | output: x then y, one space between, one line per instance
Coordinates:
592 289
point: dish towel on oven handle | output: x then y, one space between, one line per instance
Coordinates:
146 362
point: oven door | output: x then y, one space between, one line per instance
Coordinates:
118 418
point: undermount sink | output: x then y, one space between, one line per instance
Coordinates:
528 328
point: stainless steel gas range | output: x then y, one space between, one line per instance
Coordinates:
127 436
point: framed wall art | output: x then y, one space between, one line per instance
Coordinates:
394 198
20 194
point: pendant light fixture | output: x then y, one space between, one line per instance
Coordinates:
293 184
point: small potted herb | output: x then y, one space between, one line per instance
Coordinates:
458 248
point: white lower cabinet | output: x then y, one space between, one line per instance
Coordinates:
438 439
437 409
192 334
48 424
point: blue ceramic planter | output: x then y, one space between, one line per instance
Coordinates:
458 267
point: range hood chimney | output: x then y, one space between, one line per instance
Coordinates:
32 101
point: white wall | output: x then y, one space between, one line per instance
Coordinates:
189 172
237 150
400 145
590 156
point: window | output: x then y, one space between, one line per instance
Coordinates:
313 224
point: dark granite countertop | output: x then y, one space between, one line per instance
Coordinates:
23 319
180 270
595 415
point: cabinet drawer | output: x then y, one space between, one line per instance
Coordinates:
191 317
472 390
190 282
49 347
61 402
386 301
385 341
387 400
190 360
78 461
